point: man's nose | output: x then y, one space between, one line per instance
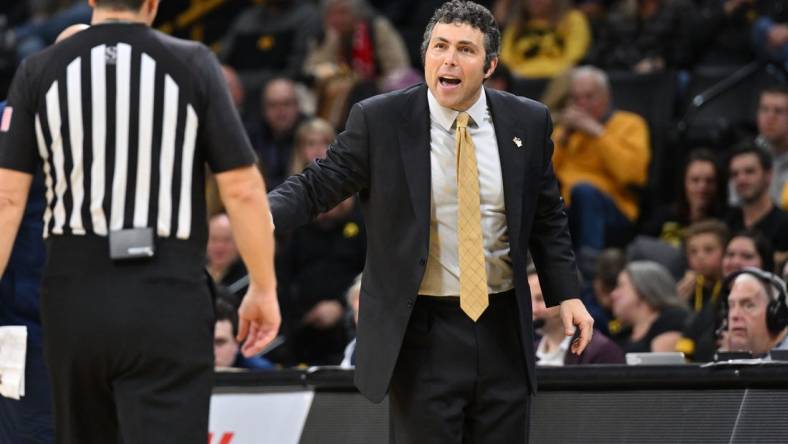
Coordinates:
734 314
450 57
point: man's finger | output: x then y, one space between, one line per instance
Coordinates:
255 344
566 319
246 348
586 330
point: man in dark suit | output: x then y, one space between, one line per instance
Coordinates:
455 183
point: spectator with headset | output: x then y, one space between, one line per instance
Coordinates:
756 312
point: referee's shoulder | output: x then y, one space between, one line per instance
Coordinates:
180 46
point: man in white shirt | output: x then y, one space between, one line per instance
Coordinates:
455 182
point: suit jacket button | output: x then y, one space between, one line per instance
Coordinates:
422 261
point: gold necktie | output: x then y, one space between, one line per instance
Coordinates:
473 274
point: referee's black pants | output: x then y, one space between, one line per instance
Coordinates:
129 345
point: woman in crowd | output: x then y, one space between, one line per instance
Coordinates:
701 196
645 303
747 249
547 38
311 142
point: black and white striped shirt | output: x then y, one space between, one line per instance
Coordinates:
122 119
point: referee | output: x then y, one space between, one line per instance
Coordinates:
122 120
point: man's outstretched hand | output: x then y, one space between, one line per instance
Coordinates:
574 313
258 320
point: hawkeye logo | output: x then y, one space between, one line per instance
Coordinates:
224 438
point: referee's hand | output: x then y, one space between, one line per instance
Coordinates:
259 320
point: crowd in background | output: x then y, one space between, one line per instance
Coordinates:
654 247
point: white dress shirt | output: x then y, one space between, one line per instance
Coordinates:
555 357
442 274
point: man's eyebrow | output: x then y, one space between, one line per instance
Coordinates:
459 42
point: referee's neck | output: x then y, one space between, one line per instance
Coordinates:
114 15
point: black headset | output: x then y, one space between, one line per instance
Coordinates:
776 311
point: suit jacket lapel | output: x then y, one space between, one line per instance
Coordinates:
414 144
513 160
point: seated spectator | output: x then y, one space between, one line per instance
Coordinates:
224 261
701 287
356 40
312 139
353 296
646 305
552 348
608 265
704 246
645 36
547 38
747 249
750 170
770 32
722 32
601 154
316 265
772 120
359 52
226 349
701 196
757 314
270 40
272 137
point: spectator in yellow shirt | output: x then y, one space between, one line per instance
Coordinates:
600 155
547 38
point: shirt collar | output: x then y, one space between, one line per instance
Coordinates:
445 117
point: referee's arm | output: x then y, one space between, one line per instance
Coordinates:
243 193
14 187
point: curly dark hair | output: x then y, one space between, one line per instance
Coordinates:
468 12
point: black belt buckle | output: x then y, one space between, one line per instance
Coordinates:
131 244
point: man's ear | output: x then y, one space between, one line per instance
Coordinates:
493 65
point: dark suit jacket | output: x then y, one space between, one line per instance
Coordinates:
384 155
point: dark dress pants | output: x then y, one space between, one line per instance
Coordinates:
457 381
129 345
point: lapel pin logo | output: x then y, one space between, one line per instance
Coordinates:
517 141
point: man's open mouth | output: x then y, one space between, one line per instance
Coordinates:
449 81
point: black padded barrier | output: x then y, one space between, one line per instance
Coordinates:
591 404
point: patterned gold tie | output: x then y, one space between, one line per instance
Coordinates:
473 274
